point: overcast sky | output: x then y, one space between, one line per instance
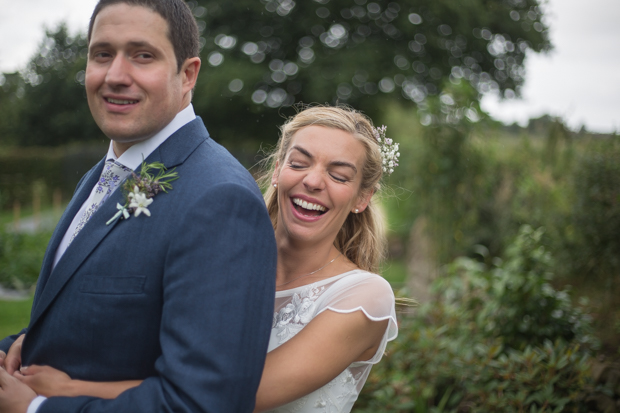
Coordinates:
578 81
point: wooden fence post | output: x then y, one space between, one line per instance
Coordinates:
36 206
16 215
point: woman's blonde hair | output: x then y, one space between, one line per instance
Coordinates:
361 238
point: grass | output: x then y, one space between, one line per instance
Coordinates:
15 316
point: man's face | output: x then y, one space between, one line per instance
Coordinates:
132 83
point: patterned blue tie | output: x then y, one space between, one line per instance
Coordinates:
113 174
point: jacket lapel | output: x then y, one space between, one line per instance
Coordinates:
173 152
180 145
80 196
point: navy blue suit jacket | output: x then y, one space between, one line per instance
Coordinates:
182 299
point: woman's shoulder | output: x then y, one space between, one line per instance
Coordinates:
361 280
359 289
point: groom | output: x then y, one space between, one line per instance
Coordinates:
180 296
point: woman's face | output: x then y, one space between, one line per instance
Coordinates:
319 184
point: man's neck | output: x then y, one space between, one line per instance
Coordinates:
121 147
131 154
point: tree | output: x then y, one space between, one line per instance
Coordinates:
268 54
262 56
53 108
11 89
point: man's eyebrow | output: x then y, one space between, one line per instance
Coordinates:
141 43
135 43
334 163
98 44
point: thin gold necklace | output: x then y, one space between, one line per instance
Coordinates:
310 273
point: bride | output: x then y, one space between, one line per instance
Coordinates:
333 314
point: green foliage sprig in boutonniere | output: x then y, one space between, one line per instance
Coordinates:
140 190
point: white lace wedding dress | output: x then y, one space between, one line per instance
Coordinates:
355 290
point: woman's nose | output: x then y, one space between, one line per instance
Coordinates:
314 180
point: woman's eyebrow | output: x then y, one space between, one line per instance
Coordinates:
303 151
343 163
334 163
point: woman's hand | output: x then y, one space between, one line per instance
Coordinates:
46 381
13 359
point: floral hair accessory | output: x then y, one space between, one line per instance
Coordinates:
140 190
388 148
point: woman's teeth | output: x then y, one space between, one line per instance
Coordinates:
309 205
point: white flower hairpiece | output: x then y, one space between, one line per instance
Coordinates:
388 148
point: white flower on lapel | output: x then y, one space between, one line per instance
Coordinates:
135 191
141 189
140 202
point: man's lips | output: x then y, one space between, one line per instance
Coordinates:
120 101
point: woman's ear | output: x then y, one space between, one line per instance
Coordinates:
276 173
363 201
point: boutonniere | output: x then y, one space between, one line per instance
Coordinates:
140 190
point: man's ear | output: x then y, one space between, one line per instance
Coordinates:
363 201
189 72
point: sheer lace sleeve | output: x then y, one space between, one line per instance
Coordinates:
366 292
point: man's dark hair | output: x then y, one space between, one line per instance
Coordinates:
182 27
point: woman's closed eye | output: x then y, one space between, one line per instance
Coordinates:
341 173
339 178
296 165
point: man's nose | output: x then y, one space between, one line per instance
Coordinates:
119 72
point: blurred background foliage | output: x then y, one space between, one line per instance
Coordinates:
261 56
268 54
489 224
497 338
46 101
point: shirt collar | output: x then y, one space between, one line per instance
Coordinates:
133 157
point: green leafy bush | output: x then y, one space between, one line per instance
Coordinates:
515 300
430 369
495 340
21 255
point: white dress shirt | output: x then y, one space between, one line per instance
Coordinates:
131 158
